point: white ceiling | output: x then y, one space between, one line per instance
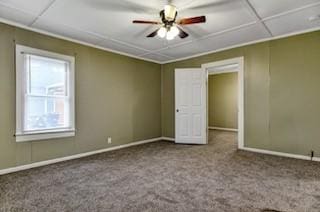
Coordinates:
108 23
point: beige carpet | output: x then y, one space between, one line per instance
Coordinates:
163 176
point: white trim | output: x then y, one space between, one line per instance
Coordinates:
12 23
281 154
21 134
223 129
168 139
215 72
57 160
223 69
140 57
267 152
240 70
242 45
44 136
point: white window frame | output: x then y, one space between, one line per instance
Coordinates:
21 135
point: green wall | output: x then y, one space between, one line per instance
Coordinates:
116 96
131 100
282 83
223 100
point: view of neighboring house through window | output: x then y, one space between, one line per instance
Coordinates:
45 94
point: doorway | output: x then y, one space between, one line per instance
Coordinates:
220 71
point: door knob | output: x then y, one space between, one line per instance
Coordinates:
177 110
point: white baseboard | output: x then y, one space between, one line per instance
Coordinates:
268 152
57 160
224 129
167 139
281 154
71 157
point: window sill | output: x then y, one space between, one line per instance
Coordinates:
44 135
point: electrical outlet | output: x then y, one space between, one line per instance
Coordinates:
109 140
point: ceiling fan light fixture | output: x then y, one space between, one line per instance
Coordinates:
170 12
174 31
170 36
162 32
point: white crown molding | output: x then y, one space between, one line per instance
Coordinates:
12 23
243 44
76 156
141 57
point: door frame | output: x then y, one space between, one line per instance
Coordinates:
240 70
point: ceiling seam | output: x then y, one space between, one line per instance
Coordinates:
104 38
128 44
15 8
42 12
291 11
92 33
163 55
185 6
257 16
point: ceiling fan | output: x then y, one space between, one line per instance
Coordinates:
170 28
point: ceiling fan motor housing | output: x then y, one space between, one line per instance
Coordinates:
167 23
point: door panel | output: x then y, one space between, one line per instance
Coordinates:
190 94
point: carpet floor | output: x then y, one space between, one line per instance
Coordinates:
162 176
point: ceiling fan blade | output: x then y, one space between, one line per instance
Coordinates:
182 34
193 20
151 35
145 22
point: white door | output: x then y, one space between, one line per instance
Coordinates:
190 106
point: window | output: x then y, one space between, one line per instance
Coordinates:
44 94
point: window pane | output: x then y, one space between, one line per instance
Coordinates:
45 113
46 76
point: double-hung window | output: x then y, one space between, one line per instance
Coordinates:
44 95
